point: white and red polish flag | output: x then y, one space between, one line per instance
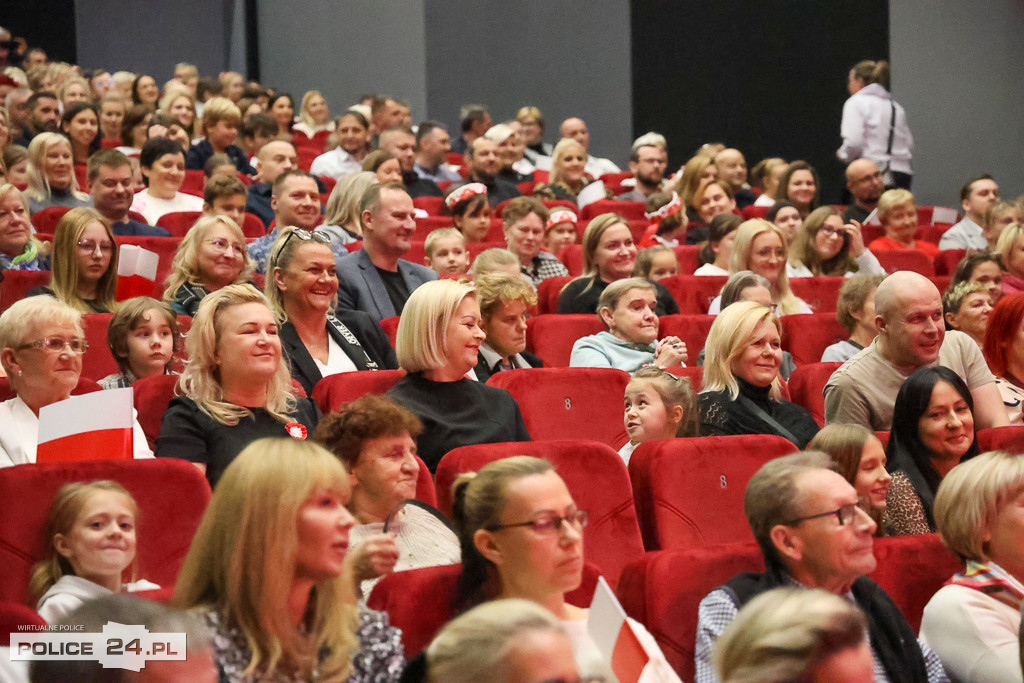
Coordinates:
614 635
94 426
136 271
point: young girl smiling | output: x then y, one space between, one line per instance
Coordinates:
657 405
91 527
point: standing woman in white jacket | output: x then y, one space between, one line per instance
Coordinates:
875 126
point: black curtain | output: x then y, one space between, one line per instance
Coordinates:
768 78
49 24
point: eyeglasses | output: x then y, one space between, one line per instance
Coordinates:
221 246
549 524
846 514
57 344
829 231
90 246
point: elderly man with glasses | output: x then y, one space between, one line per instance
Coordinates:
814 533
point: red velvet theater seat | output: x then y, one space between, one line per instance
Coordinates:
172 495
821 293
694 293
596 478
419 601
17 283
332 392
806 385
689 492
552 335
569 403
548 292
1010 439
807 336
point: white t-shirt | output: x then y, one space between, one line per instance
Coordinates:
153 207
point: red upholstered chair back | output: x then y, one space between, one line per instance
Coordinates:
572 256
596 478
752 211
165 247
1010 439
332 392
178 222
97 362
807 336
13 616
17 283
631 211
694 293
419 601
663 589
691 328
552 335
194 181
689 492
427 224
821 293
945 262
151 396
688 256
806 385
911 569
252 226
171 494
46 220
84 386
431 205
547 293
906 259
569 403
390 327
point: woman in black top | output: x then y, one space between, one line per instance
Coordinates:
742 392
236 387
438 338
609 254
302 286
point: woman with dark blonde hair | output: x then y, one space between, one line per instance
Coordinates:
438 343
19 248
84 262
824 245
314 116
860 458
342 222
568 172
267 568
212 255
51 174
609 254
236 387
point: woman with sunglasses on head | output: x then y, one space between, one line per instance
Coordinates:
302 286
212 255
521 535
84 263
41 349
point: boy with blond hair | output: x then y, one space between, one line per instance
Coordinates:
446 251
221 118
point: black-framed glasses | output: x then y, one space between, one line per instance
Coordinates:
548 524
845 514
57 344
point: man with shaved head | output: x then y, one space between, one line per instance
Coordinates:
732 168
864 181
576 129
911 335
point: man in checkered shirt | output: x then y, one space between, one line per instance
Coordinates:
814 533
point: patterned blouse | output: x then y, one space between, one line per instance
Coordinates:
904 513
380 658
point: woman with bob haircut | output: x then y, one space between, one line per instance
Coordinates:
523 221
713 198
860 458
51 174
932 432
997 217
470 211
341 216
631 341
267 568
795 634
19 247
314 116
163 170
742 389
501 640
521 535
966 307
1004 353
41 349
761 248
568 172
211 256
319 340
236 387
375 438
800 185
438 339
897 212
84 263
972 623
1010 249
824 245
855 311
609 254
179 104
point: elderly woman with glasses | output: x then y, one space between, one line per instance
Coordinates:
212 255
41 348
84 263
302 286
